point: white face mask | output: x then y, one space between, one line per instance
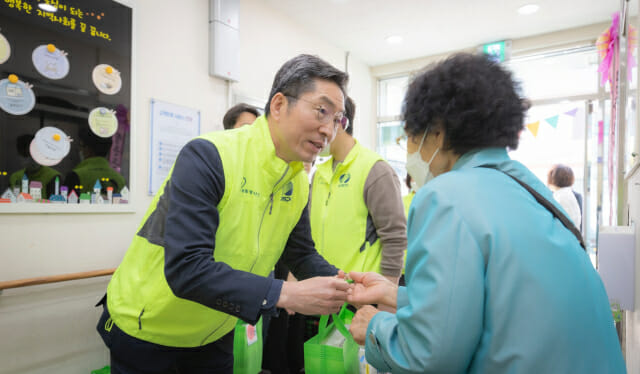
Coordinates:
418 169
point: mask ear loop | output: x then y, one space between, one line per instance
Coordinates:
434 155
422 141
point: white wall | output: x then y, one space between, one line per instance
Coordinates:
272 39
51 329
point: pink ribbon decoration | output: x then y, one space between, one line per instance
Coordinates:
607 45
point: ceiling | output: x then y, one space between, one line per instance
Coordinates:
431 27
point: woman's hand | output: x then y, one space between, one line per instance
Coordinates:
372 288
360 322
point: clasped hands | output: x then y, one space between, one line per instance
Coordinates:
326 295
369 288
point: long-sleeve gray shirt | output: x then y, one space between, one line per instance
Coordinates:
383 198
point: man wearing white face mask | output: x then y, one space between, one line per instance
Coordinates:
357 215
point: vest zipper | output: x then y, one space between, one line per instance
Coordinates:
270 203
270 206
140 319
326 204
264 212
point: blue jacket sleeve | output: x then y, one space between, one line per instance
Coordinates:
438 322
189 203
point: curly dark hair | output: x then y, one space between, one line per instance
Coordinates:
473 99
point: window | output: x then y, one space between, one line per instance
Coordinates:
391 145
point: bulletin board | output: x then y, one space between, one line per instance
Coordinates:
65 104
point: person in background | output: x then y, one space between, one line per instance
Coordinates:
94 153
234 203
495 283
357 215
34 171
560 180
406 200
239 115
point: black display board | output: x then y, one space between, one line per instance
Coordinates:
91 33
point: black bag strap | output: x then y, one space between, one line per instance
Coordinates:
547 204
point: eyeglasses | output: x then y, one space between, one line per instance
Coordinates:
324 116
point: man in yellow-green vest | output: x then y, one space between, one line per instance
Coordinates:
357 216
234 203
406 200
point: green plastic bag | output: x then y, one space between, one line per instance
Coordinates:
320 358
247 348
104 370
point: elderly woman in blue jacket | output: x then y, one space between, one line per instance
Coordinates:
495 282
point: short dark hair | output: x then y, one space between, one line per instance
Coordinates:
350 113
230 118
560 176
297 76
472 98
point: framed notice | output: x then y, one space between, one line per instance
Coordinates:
172 126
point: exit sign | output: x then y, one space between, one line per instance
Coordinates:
498 51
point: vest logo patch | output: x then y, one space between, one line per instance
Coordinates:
344 180
247 190
287 192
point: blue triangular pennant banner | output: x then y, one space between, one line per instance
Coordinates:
553 121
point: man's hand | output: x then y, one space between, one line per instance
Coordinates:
372 288
290 278
360 322
318 295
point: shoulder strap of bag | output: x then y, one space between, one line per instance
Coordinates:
547 204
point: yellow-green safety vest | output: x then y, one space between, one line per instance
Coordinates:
406 200
339 214
263 200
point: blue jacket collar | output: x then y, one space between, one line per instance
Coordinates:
484 156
